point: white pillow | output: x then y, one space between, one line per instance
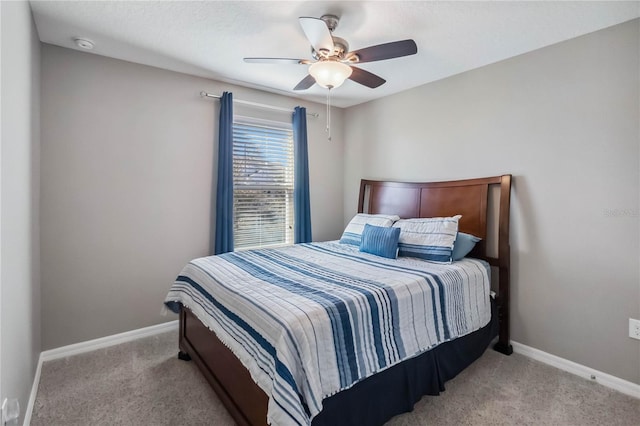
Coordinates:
429 239
353 232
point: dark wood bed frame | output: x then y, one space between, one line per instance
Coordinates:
244 399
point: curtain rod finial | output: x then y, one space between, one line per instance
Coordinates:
203 94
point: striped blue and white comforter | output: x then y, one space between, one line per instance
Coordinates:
310 320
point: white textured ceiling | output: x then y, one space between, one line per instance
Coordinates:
209 39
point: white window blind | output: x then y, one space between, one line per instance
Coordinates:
262 183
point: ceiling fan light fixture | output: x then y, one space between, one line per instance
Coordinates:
330 74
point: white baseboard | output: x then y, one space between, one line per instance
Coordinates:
103 342
34 392
604 379
88 346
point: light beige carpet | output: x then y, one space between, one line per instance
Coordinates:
143 383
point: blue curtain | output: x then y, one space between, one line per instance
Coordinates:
224 194
301 205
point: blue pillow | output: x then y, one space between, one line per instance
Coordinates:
381 241
463 245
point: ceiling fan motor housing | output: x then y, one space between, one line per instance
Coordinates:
340 49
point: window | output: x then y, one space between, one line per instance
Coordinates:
262 183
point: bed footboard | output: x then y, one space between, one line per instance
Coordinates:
244 399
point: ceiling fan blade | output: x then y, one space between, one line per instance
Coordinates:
380 52
366 78
305 83
318 34
276 61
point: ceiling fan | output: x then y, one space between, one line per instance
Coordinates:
332 61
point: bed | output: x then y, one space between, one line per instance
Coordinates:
360 379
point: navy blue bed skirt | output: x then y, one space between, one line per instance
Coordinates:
378 398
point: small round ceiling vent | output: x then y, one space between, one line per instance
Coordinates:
83 43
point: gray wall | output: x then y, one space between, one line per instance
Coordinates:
20 183
128 155
564 121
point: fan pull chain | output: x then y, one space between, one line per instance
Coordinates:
328 129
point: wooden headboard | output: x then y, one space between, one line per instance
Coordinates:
469 198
